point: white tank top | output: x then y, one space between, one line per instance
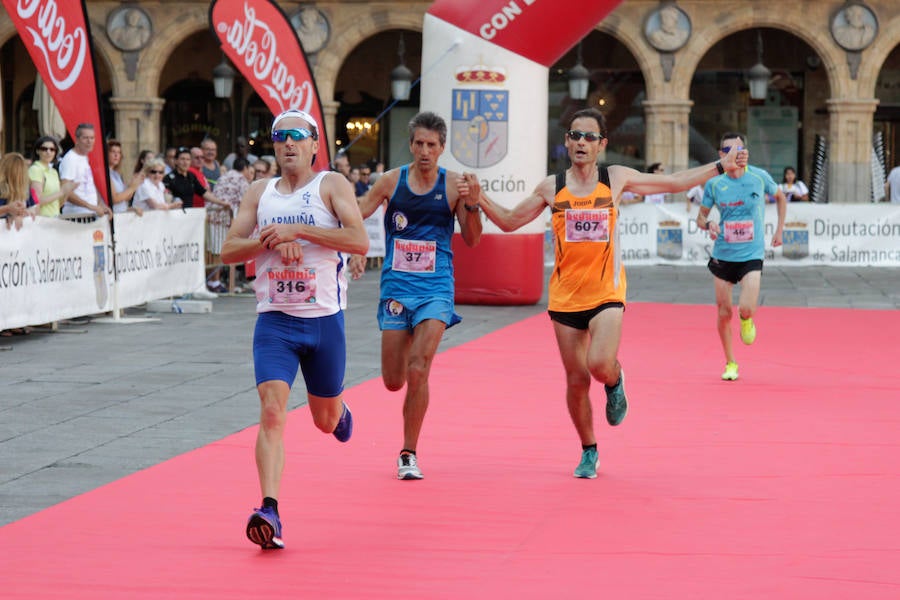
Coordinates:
318 286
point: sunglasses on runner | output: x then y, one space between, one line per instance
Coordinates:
727 149
281 135
590 136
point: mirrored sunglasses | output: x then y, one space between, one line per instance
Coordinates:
281 135
727 149
591 136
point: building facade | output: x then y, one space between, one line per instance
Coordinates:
671 77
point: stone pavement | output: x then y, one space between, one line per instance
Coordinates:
96 401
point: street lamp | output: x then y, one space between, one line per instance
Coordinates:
223 79
579 79
401 76
758 75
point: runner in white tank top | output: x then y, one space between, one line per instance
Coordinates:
306 221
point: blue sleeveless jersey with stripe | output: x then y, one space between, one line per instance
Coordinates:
412 223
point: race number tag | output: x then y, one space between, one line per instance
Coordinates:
291 285
738 232
588 225
413 256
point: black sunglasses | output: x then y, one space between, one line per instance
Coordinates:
156 172
590 136
47 149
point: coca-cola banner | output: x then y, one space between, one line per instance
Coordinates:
259 40
58 38
541 31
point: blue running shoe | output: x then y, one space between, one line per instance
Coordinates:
616 404
264 528
587 468
344 428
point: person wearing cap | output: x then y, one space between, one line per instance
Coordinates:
422 201
308 223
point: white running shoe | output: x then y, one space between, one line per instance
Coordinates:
408 467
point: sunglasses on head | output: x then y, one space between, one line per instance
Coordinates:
591 136
47 149
281 135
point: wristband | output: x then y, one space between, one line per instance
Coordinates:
719 167
471 209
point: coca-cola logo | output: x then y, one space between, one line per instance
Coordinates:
256 45
64 51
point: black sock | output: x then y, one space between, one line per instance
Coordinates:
594 446
270 503
408 451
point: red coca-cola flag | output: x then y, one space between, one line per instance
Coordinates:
259 40
58 38
541 31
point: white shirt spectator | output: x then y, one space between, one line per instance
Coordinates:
798 188
76 167
893 182
148 192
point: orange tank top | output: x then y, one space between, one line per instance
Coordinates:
588 270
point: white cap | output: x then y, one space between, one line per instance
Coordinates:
293 112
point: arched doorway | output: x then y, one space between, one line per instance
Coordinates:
780 128
363 89
616 88
887 114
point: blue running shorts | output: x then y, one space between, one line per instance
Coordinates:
317 346
406 313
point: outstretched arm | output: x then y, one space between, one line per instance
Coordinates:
510 219
626 179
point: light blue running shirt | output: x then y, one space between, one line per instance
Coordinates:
741 203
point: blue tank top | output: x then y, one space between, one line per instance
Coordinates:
419 228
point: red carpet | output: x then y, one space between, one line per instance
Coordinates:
784 484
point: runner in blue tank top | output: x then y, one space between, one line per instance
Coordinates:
739 194
416 305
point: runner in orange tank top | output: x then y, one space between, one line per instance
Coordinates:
587 286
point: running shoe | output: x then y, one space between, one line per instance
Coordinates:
264 528
748 331
731 371
616 403
587 468
344 428
408 467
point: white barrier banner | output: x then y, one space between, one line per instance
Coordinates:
53 269
375 228
841 235
159 254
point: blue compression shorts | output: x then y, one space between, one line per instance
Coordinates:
406 313
317 346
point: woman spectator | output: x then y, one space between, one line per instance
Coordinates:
152 194
121 193
143 157
794 189
15 189
231 188
45 185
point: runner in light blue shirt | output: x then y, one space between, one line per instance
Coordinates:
739 194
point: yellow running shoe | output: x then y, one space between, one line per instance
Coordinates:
731 372
748 331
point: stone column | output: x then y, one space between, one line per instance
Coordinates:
137 126
668 132
850 149
329 113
